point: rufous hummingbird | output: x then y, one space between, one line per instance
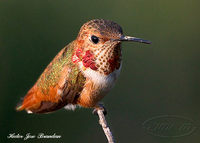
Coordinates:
83 72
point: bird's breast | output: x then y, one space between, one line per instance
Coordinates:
104 81
101 69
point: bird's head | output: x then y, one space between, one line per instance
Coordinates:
100 40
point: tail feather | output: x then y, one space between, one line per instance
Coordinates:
28 102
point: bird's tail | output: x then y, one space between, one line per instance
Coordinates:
28 102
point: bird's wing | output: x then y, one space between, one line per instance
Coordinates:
60 84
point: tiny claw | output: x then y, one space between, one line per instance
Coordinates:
99 107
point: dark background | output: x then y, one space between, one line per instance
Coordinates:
158 79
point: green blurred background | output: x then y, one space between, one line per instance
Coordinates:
158 79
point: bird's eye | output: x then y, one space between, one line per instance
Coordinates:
94 39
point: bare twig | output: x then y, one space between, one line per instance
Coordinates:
106 129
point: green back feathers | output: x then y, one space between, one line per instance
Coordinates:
53 71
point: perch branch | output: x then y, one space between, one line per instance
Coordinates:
104 125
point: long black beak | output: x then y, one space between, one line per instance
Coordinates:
133 39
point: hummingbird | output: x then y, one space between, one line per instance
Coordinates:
83 72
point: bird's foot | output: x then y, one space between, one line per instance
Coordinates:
99 107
